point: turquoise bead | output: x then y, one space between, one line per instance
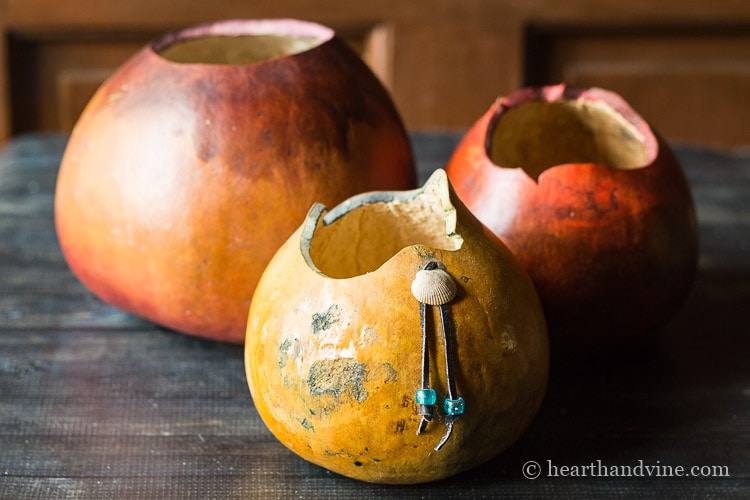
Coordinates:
454 406
426 396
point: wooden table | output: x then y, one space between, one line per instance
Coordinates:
95 403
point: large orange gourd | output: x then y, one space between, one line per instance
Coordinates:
196 160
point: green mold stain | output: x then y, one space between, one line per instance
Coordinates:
324 320
338 377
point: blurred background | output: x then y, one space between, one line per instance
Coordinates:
684 65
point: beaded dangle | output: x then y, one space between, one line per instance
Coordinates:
434 286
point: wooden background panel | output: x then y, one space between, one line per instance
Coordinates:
5 129
54 75
692 83
444 61
430 54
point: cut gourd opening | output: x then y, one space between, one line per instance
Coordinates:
364 232
236 50
538 135
241 42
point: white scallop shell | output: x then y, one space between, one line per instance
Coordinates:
433 287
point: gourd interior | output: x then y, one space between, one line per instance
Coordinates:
537 135
237 50
364 238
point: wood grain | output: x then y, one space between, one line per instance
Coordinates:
95 403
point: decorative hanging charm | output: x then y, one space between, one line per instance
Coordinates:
434 286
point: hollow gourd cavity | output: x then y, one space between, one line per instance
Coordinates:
538 135
367 236
236 50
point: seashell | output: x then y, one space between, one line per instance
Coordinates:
434 287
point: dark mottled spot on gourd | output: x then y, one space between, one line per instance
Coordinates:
306 424
284 352
338 377
399 427
325 320
390 373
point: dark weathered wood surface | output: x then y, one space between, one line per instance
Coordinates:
95 403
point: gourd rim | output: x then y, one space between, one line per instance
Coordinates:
320 216
563 92
230 28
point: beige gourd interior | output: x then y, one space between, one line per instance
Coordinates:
237 50
538 135
366 237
